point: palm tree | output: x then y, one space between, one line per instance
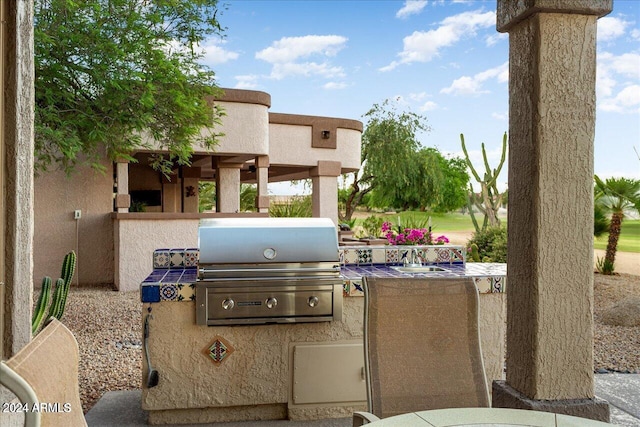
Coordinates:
617 195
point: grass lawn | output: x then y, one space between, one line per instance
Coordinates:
629 237
442 223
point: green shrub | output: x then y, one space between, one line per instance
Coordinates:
491 245
604 266
372 226
298 207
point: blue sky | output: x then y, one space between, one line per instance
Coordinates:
442 59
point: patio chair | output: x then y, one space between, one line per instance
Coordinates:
422 346
45 373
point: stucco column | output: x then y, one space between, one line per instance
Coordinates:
552 57
123 199
228 187
324 179
262 179
17 134
190 195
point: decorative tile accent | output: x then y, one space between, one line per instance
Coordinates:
177 258
499 284
364 256
402 254
169 292
191 257
219 350
350 256
391 255
356 289
457 255
429 255
186 292
483 284
161 258
443 255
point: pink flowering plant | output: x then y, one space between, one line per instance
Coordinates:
411 236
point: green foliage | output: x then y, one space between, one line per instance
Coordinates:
604 266
60 293
372 226
490 199
137 206
413 221
107 71
248 193
206 196
298 207
600 220
615 196
490 244
453 190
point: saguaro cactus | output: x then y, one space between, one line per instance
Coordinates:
490 198
60 293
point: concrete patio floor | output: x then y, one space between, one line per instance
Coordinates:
122 408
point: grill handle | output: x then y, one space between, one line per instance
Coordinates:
266 271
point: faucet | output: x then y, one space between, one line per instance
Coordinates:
413 259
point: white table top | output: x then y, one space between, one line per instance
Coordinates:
485 417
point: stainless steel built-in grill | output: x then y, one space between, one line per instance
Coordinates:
268 270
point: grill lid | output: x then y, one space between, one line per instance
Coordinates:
267 240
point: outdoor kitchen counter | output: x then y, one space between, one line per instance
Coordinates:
275 371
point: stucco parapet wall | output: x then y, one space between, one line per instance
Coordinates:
324 129
243 96
511 12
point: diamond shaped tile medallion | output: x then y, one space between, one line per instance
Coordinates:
219 350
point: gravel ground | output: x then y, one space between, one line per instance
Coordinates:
108 328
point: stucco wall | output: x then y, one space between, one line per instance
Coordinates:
291 145
258 372
56 198
135 241
245 128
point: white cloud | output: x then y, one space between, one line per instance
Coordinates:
411 7
626 101
288 49
500 116
615 71
466 85
249 81
335 85
423 46
429 106
495 38
284 54
306 69
215 54
610 28
635 34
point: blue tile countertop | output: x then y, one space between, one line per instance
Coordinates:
175 271
488 277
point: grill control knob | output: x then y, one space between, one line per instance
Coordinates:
271 302
313 301
228 304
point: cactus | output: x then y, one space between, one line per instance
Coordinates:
491 199
475 255
43 301
60 293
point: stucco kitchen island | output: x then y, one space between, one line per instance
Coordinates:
279 371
